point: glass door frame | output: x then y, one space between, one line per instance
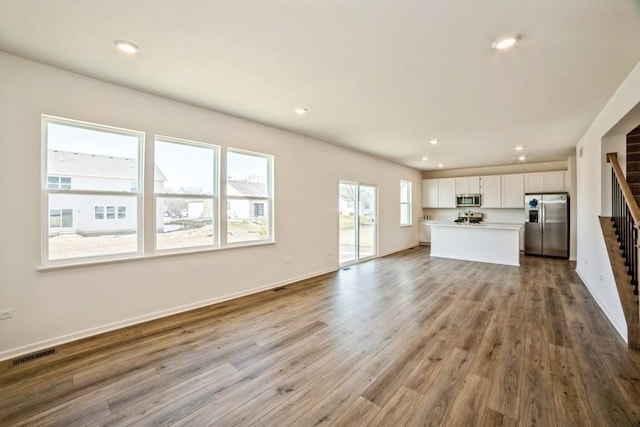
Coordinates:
356 215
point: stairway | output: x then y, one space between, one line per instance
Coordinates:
633 162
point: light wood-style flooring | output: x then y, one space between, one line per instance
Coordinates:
401 340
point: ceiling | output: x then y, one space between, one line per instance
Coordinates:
380 76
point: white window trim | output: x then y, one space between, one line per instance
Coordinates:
45 192
145 247
408 203
215 197
61 227
270 201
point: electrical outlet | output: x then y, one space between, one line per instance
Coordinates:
6 314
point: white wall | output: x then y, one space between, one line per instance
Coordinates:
593 263
573 209
59 305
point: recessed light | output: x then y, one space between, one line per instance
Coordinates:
519 147
505 43
127 47
522 158
440 165
425 158
433 141
301 111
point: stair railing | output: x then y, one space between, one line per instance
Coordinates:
626 218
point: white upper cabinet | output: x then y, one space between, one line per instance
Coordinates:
490 190
429 193
544 182
439 193
534 182
554 181
513 190
447 193
468 185
497 191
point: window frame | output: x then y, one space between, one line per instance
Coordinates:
46 192
61 215
143 198
408 194
58 185
269 209
215 196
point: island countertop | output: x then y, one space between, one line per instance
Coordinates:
501 226
494 243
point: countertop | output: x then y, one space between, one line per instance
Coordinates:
484 225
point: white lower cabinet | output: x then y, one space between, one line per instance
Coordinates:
425 233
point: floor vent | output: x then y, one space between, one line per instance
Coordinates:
345 269
281 288
34 356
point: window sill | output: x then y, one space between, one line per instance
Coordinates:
406 225
159 254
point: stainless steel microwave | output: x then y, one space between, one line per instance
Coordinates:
467 200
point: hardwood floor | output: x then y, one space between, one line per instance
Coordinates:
401 340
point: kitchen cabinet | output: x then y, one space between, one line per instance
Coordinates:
425 232
468 185
512 191
490 190
447 193
439 193
544 182
567 183
554 181
429 193
534 182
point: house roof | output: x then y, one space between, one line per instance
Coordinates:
247 189
69 163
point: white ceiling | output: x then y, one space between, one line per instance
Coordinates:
380 76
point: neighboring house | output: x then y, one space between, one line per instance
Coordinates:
243 201
347 204
87 214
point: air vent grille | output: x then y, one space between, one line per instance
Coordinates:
34 356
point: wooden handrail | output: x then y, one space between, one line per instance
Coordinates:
624 187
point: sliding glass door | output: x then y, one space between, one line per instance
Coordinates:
358 213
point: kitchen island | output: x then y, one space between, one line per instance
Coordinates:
491 243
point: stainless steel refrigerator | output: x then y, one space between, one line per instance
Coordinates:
546 227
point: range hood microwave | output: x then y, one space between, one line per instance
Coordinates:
467 200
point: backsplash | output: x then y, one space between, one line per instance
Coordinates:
506 216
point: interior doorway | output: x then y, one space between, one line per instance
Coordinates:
358 221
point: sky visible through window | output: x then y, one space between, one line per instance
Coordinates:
181 168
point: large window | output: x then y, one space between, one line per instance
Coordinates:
94 194
249 196
186 194
87 179
405 203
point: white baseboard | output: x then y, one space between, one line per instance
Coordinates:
621 329
64 339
